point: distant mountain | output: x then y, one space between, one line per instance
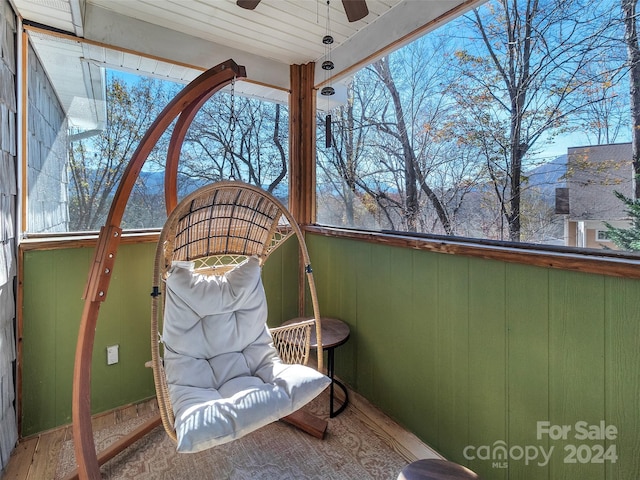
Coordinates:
154 182
549 176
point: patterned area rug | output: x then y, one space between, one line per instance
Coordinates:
350 450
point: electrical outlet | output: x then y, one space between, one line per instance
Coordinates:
112 354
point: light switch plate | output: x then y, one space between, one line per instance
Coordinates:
112 354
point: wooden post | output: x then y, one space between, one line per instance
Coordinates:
302 144
302 175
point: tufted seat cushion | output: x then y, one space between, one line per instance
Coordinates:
224 375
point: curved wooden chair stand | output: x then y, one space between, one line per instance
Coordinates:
184 107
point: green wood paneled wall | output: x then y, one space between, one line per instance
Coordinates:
53 285
467 352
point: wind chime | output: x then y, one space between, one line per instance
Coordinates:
327 66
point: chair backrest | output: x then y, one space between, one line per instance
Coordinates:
217 227
221 224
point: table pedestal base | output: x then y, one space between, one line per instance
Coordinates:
334 382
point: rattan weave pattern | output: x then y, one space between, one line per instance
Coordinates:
225 222
292 341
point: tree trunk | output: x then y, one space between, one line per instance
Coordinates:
516 74
411 179
411 189
350 166
633 55
281 152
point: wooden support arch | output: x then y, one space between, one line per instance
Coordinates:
185 104
173 151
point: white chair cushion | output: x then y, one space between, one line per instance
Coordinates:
224 375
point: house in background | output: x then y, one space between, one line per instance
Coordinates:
594 173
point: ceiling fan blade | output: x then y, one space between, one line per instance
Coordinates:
248 4
355 9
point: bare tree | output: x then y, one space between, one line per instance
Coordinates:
358 185
230 138
390 149
606 113
238 138
338 164
397 128
97 163
526 80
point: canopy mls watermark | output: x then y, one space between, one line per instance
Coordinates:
499 453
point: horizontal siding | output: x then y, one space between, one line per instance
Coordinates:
469 353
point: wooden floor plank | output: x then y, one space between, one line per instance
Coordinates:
126 413
102 421
402 441
123 443
20 461
147 407
36 458
45 457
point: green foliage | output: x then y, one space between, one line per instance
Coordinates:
627 238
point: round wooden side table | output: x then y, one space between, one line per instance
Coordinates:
436 469
334 333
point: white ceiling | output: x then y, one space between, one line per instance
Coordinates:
198 34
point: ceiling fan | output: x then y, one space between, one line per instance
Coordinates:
355 9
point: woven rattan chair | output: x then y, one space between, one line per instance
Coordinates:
259 240
217 228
